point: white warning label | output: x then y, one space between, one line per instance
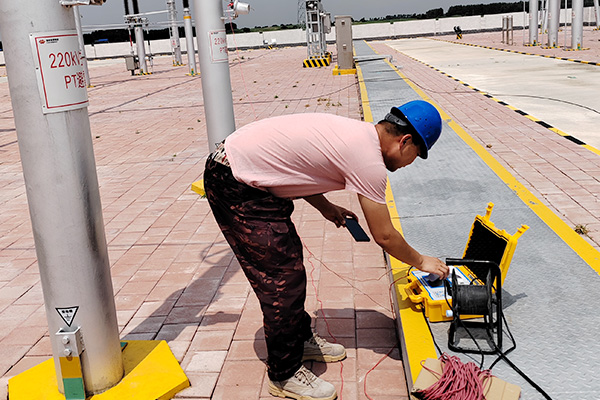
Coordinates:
218 46
59 70
67 314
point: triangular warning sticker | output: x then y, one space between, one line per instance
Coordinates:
67 314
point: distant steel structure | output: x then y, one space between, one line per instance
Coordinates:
533 22
553 22
189 38
577 25
174 33
318 24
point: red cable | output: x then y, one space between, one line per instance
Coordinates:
458 381
311 255
375 366
312 280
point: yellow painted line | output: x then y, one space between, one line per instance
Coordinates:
367 114
591 148
417 343
531 117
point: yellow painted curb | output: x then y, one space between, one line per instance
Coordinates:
417 343
151 372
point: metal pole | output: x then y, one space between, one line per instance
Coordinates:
214 66
577 25
533 22
544 17
597 10
82 56
553 22
565 30
141 49
174 31
189 38
57 157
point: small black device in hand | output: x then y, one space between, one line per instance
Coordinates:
356 230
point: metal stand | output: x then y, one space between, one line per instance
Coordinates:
474 299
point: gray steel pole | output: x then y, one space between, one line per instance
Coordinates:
141 49
577 24
597 11
553 22
189 40
174 31
214 65
533 22
82 55
55 144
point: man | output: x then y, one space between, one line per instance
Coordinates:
250 182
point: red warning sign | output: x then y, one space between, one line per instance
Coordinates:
59 69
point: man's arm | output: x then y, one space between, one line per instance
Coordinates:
390 240
330 211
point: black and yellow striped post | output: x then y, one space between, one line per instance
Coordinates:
312 62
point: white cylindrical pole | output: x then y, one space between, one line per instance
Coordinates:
189 40
577 25
544 17
174 31
141 49
61 183
82 55
597 11
214 66
553 22
533 22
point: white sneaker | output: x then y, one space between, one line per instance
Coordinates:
318 349
304 385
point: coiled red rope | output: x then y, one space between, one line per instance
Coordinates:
458 381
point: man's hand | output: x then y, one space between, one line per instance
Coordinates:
337 215
330 211
435 266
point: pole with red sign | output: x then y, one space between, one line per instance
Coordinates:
49 97
214 66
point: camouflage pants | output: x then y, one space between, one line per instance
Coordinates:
259 229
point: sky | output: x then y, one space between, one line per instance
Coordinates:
275 12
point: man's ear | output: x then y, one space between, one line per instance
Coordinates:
404 139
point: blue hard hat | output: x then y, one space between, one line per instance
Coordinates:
425 120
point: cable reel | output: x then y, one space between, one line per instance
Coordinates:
483 296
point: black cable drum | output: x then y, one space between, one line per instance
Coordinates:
473 299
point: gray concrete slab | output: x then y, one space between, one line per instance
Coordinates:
561 93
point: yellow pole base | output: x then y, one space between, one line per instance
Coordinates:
338 71
151 372
198 187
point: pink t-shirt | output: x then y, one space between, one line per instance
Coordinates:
300 155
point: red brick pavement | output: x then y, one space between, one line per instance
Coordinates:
174 276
